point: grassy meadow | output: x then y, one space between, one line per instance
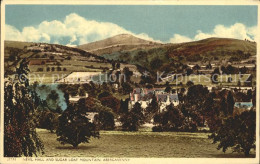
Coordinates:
145 144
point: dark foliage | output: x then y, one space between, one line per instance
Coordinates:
105 120
132 120
74 128
237 132
173 120
20 104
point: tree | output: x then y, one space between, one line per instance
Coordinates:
48 120
127 88
156 63
113 64
230 103
124 106
172 120
118 65
104 94
105 120
153 106
81 91
209 66
168 87
52 57
111 102
74 128
237 132
132 120
249 94
53 100
20 104
127 74
189 71
230 69
196 67
223 106
189 83
194 102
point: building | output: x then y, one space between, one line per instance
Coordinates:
240 107
91 116
75 99
145 96
80 77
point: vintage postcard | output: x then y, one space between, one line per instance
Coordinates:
129 82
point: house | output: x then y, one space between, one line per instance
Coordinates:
145 96
240 107
80 77
75 99
91 116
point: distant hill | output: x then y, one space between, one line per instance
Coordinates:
17 44
116 43
200 52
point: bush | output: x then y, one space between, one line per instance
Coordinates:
74 128
157 129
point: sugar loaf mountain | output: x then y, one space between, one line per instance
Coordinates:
126 83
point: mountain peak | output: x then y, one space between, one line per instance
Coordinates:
121 40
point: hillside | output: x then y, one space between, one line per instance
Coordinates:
214 50
46 60
120 42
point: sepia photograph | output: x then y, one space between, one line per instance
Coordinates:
127 83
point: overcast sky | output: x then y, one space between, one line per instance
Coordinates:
75 25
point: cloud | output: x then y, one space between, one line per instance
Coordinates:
78 29
236 31
179 38
11 33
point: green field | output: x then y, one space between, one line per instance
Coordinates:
138 144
